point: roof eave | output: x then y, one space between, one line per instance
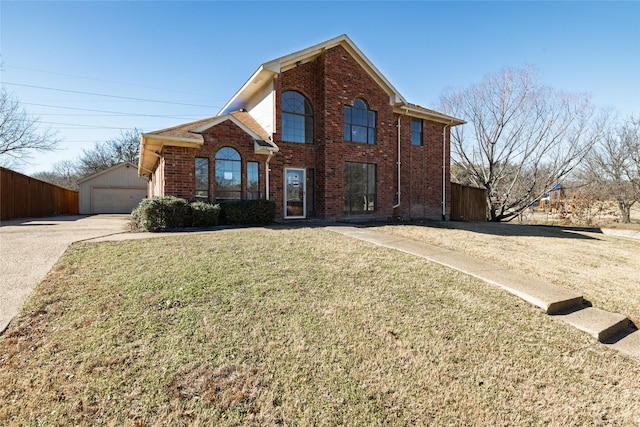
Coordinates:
430 115
269 69
256 82
151 145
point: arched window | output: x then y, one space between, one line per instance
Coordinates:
359 123
228 174
297 118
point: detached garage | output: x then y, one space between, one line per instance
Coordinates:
115 190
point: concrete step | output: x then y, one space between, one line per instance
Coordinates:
600 324
610 328
627 342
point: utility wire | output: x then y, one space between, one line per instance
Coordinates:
110 112
84 126
108 96
100 80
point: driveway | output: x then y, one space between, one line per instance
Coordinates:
30 247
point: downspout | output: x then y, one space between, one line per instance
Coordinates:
266 174
444 170
398 164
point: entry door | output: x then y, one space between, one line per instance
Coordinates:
295 205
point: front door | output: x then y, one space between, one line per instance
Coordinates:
295 205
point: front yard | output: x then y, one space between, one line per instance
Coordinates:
295 327
604 269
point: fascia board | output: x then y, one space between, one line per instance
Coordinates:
256 82
150 143
269 69
223 119
259 149
174 141
440 118
111 169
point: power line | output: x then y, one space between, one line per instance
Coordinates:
117 113
100 80
80 126
108 96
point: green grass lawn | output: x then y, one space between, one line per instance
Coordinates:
294 327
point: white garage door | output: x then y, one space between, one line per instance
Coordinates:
115 200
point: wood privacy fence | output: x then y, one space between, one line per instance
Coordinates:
25 197
468 203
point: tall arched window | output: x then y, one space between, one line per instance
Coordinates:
228 174
297 118
359 123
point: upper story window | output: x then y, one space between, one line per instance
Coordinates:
228 174
297 118
359 123
416 131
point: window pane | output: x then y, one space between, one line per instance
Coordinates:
293 128
358 133
253 187
202 177
416 131
297 118
228 178
359 103
359 123
359 117
372 136
359 187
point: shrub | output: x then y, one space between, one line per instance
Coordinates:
205 214
162 212
249 212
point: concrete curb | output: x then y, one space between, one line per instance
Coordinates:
612 329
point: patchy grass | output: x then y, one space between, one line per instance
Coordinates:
296 327
604 269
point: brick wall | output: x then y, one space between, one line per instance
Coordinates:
329 82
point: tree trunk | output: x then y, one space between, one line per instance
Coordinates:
625 212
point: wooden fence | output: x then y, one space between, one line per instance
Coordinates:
468 203
24 197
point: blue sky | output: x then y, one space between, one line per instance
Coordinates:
165 63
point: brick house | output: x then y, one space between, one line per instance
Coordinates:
322 133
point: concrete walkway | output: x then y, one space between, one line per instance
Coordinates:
612 329
29 248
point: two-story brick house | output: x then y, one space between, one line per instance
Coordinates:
322 133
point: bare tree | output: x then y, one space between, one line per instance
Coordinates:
20 133
524 138
614 167
64 174
124 148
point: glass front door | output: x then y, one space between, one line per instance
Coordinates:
295 200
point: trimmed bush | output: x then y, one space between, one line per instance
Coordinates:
254 212
158 213
205 214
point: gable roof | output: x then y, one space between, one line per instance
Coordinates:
190 135
266 71
106 171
